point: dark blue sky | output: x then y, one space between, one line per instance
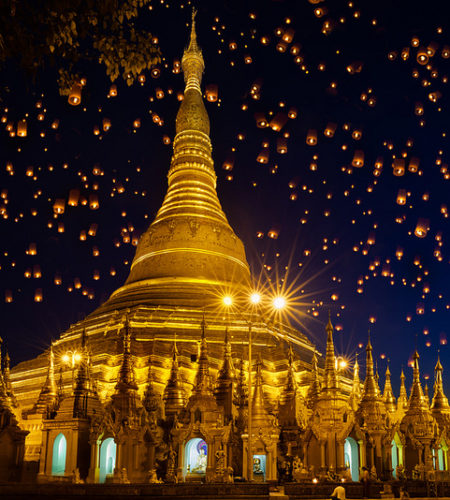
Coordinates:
336 223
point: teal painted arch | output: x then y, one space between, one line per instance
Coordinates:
59 455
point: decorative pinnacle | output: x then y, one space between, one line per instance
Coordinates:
192 61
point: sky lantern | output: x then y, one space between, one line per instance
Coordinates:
311 137
273 233
75 94
422 228
93 202
22 128
358 158
212 92
278 122
261 121
8 296
401 197
330 129
38 295
398 167
414 163
112 90
59 206
74 196
263 156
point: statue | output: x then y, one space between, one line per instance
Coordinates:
348 474
76 479
400 472
202 461
171 456
373 473
228 478
220 461
124 476
153 477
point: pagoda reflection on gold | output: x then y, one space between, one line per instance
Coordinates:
158 381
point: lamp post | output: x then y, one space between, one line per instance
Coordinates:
71 358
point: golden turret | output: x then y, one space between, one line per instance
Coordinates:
190 244
330 376
402 401
48 395
259 414
173 397
439 405
388 393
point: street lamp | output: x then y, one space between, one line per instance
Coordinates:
71 359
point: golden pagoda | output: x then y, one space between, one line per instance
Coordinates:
166 381
185 262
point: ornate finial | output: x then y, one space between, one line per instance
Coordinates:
203 383
330 360
126 381
193 40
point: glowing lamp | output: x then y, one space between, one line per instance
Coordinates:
65 358
255 298
227 300
279 302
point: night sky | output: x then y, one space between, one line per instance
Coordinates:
347 241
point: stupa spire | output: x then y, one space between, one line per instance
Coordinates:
125 381
259 413
371 389
440 401
416 398
190 239
173 394
3 390
314 387
330 359
388 393
225 378
203 382
402 401
355 395
48 395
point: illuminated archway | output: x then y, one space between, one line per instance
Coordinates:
59 455
196 457
107 459
396 454
442 456
351 458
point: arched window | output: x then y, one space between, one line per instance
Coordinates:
107 459
351 458
196 453
59 455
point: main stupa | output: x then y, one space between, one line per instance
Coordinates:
185 262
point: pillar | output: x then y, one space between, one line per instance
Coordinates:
305 454
340 466
322 455
94 469
362 453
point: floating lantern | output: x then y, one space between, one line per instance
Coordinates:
281 145
261 121
59 206
75 94
273 233
413 164
212 91
263 156
74 196
292 113
422 228
93 202
330 129
22 128
358 158
278 122
398 167
112 90
38 295
8 296
311 137
422 56
401 197
106 124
